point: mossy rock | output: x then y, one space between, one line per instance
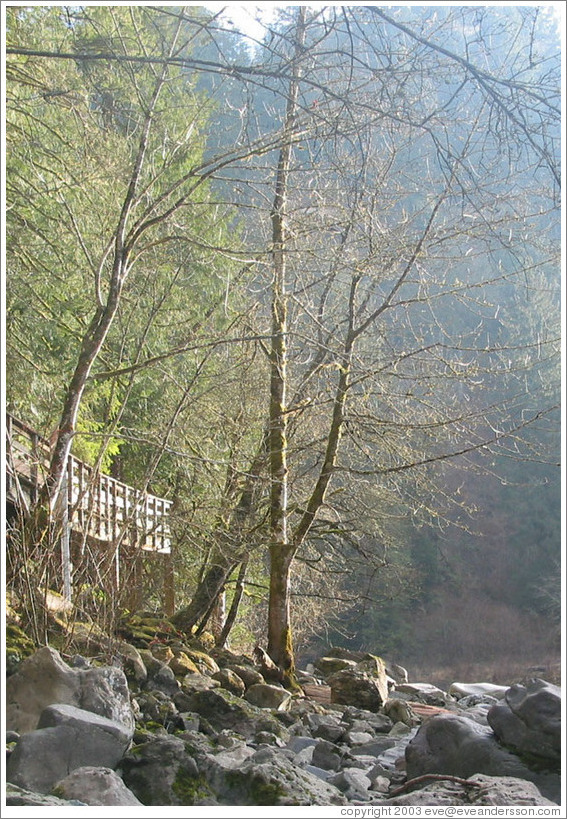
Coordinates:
192 790
18 647
181 664
204 663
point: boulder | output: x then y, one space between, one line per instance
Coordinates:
16 796
459 690
224 711
198 682
356 687
131 663
269 778
95 786
268 696
454 745
45 679
230 681
352 782
397 672
247 674
67 738
181 664
330 665
528 719
327 755
162 772
482 790
205 664
425 692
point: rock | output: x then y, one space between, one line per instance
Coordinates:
268 696
374 747
230 681
18 647
162 772
95 786
67 738
204 663
457 746
330 665
400 711
353 738
21 796
199 682
425 692
325 726
234 757
327 755
161 678
163 653
397 672
488 790
380 723
44 679
459 690
247 674
131 663
223 710
268 778
181 664
352 782
528 720
355 687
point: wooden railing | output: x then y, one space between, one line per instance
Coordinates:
97 505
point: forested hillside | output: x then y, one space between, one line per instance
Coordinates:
306 287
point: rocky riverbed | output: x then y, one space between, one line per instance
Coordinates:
156 718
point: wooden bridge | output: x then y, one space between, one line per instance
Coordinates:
94 508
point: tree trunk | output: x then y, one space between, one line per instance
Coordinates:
233 610
280 646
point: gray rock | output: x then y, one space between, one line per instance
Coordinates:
330 665
454 745
162 772
198 682
325 726
357 687
223 710
275 781
45 679
375 747
320 773
489 791
263 695
234 757
425 692
67 738
397 672
352 782
131 663
528 720
380 723
297 743
95 786
326 755
16 796
354 738
162 679
230 681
